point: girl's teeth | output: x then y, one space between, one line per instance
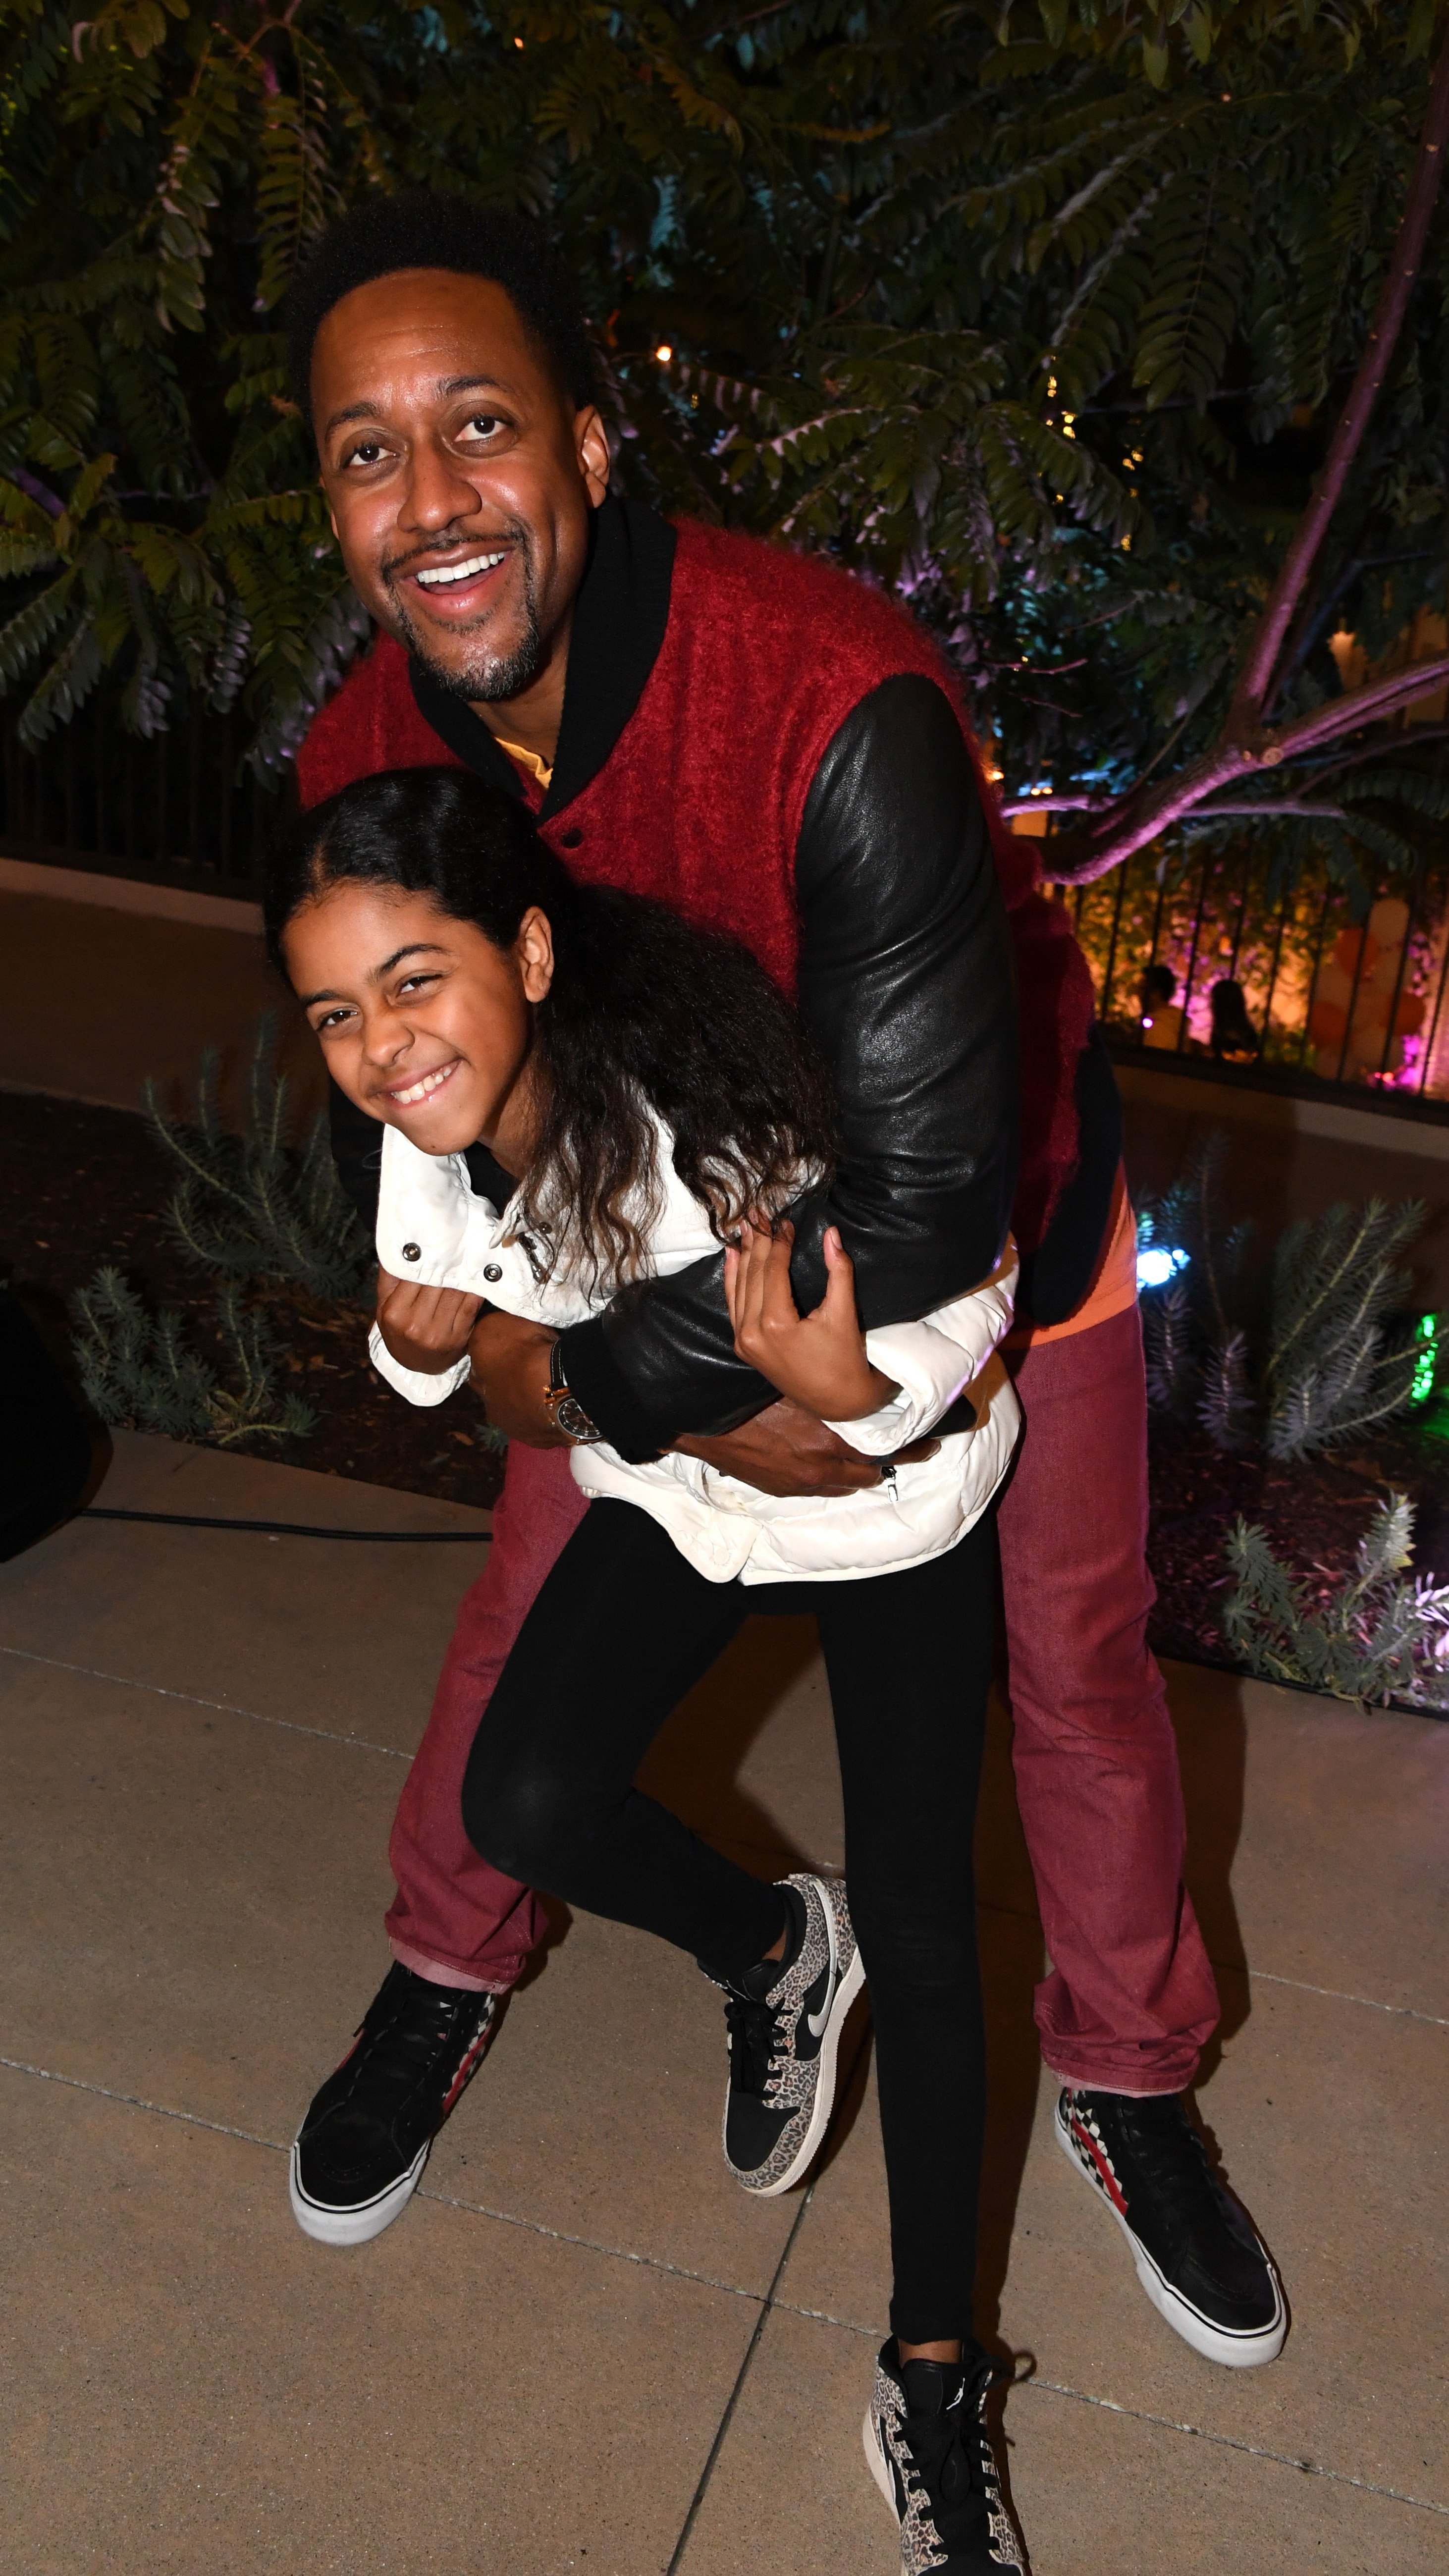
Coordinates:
420 1090
443 573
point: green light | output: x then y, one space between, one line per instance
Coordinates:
1423 1385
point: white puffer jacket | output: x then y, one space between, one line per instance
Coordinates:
432 1228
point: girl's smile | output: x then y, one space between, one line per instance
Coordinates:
424 1089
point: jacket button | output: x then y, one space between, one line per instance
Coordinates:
412 1252
571 840
492 1272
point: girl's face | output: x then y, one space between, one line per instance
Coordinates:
423 1022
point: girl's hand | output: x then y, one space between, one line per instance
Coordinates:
424 1328
819 1361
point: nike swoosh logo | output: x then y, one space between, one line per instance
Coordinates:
815 2022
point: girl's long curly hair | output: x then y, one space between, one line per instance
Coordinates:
646 1014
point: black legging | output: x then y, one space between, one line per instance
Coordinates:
621 1630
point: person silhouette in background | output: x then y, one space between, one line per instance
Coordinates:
1161 1015
1234 1037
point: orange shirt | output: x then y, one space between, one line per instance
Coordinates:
1113 1289
529 760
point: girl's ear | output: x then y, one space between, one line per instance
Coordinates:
533 949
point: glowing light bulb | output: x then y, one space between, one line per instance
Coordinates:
1423 1386
1159 1262
664 353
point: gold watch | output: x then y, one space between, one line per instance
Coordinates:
564 1409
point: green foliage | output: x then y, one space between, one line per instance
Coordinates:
257 1206
1377 1638
1324 1359
1011 307
1334 1368
139 1376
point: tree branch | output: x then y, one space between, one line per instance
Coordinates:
35 490
1263 652
1078 858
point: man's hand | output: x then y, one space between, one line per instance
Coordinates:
510 1371
424 1328
787 1451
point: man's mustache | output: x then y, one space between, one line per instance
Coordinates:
515 534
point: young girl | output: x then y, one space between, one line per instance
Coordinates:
645 1096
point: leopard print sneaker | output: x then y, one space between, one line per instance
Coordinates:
930 2455
784 2022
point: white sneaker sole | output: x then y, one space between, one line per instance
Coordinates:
878 2465
354 2226
846 1991
1246 2351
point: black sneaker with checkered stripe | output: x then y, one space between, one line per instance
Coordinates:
1196 2253
359 2154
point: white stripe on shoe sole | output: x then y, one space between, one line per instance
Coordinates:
353 2226
878 2464
846 1991
1248 2350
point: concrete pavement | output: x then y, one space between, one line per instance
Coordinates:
582 2348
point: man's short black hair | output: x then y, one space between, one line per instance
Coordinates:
422 228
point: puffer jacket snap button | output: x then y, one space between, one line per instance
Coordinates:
412 1252
492 1272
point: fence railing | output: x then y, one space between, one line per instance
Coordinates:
97 795
1348 992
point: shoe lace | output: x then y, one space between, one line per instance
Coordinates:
945 2464
401 2049
756 2047
1169 2150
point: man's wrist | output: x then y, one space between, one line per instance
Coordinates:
564 1409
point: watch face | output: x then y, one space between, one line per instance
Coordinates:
573 1421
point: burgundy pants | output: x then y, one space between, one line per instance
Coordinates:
1130 1998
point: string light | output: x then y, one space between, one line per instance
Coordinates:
664 353
1423 1386
1158 1262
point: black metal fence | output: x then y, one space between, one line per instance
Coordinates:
1328 987
177 806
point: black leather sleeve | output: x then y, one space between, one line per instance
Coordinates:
356 1142
906 983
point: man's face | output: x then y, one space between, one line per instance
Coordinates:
459 475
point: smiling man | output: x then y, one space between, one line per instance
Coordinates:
776 751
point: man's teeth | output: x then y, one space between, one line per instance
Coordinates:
444 573
420 1090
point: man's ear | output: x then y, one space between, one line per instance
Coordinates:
591 445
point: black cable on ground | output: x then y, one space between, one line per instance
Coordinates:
294 1529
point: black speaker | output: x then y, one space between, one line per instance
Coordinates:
46 1443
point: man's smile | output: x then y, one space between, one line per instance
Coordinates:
457 591
441 576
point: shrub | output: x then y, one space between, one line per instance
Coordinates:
1318 1359
259 1206
1379 1637
1336 1363
138 1374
